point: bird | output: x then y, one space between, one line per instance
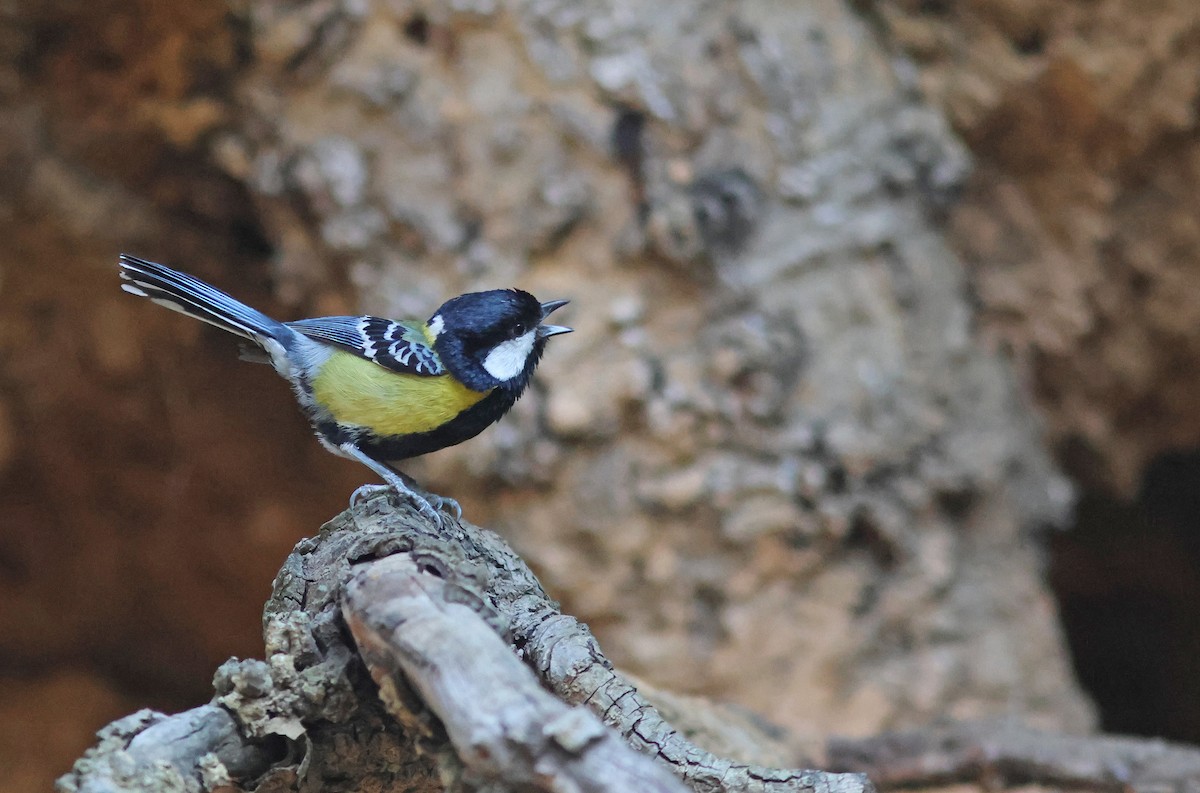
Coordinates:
376 390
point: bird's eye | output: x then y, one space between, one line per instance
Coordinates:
519 330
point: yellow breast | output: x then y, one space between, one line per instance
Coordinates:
359 392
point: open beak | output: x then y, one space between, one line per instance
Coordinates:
546 331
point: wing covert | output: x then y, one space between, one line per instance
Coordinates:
399 346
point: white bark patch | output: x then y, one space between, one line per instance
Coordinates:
507 359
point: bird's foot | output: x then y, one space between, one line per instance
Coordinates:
365 492
429 505
439 503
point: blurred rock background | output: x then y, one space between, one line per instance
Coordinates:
864 292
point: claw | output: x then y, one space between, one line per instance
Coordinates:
443 504
428 510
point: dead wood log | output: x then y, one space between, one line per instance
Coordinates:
442 618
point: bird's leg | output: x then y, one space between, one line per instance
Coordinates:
394 480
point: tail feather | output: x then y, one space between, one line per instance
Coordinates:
191 296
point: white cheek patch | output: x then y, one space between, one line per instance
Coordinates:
436 326
507 359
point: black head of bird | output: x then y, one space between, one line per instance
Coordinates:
493 339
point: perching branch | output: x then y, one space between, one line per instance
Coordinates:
441 618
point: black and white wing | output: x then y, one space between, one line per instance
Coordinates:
399 346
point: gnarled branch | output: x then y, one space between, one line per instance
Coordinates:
441 617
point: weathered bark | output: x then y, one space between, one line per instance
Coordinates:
199 748
441 617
